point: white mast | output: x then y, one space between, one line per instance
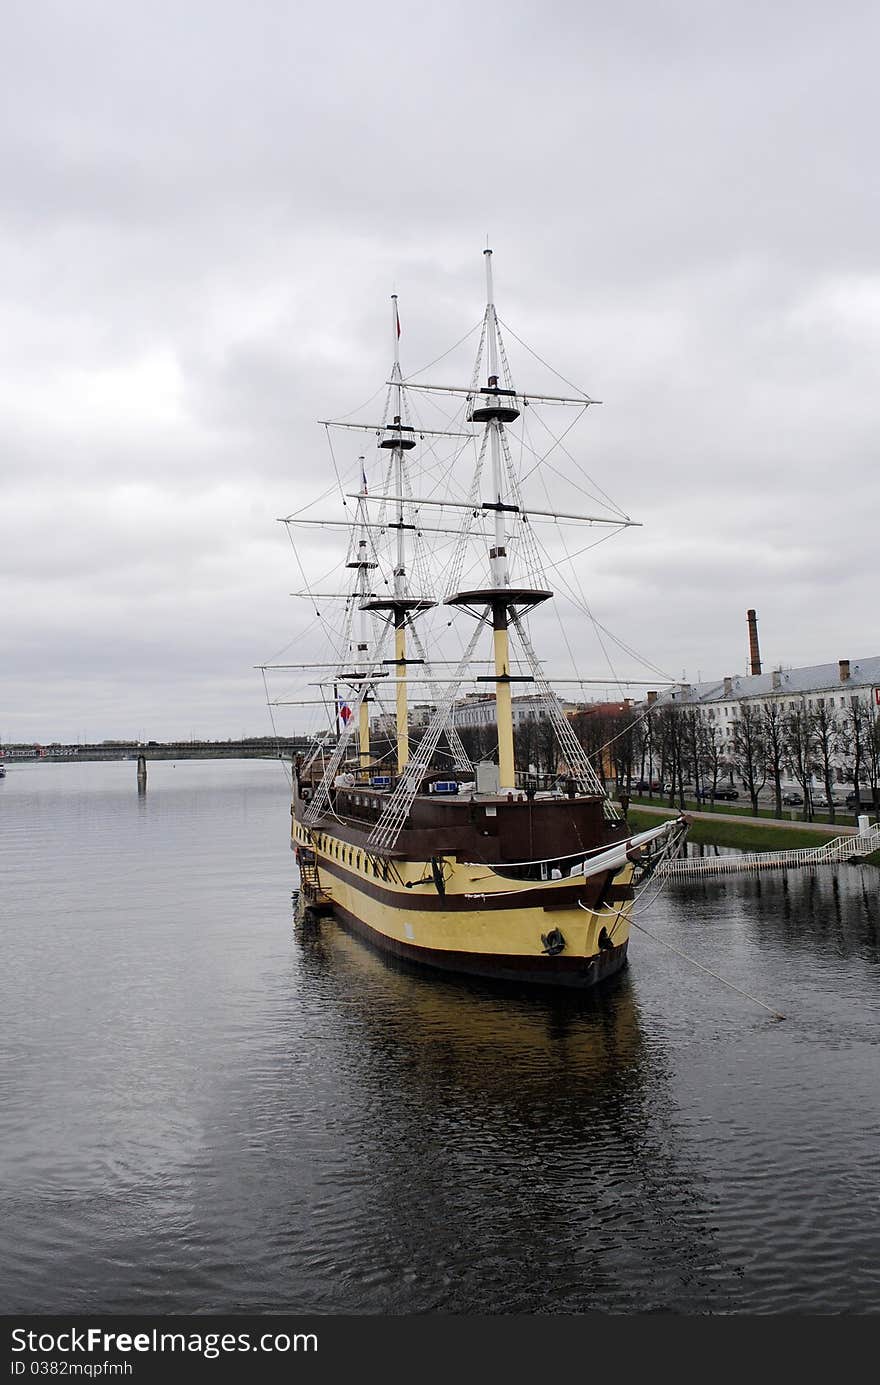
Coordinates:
497 561
363 565
399 437
400 565
495 405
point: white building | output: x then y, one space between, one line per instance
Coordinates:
831 686
385 723
478 710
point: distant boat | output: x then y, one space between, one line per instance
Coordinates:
483 869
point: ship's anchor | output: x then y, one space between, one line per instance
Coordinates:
554 942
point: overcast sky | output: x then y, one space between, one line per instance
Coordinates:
207 205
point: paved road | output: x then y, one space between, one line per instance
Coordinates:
827 829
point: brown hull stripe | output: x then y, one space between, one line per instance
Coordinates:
424 897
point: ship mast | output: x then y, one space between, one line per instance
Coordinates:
399 438
363 564
495 406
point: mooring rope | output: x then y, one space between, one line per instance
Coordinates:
775 1013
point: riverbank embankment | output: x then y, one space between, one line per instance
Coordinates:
744 834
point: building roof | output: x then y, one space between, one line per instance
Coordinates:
814 678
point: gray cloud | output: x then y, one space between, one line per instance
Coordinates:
203 210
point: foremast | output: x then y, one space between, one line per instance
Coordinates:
400 607
362 562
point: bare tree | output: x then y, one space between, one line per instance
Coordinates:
647 734
748 751
479 741
800 751
773 737
592 729
855 739
670 735
622 745
691 737
872 758
827 738
525 745
547 746
711 758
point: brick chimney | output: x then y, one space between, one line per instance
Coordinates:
776 679
754 651
652 698
843 665
728 687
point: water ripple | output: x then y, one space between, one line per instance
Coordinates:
206 1110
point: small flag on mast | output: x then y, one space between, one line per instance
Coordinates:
397 317
364 477
345 712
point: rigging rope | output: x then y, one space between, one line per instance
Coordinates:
393 816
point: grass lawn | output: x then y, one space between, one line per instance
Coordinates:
741 809
748 837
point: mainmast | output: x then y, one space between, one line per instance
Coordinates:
399 438
496 406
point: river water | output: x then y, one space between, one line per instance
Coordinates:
205 1108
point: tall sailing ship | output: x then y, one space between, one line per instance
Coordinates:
475 868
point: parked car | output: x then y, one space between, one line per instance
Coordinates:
645 786
725 791
867 799
821 800
792 799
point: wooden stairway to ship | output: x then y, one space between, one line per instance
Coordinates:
315 895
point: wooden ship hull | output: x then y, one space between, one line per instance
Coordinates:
443 898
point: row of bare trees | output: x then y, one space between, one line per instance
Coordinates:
767 746
677 745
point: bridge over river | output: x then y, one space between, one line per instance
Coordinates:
260 748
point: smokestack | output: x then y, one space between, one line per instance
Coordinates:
843 665
754 651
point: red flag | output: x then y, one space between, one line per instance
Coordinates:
345 713
397 320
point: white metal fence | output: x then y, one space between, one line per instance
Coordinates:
839 849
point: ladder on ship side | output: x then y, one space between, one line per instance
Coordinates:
316 895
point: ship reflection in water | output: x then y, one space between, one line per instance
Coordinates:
518 1149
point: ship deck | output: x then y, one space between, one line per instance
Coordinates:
505 830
